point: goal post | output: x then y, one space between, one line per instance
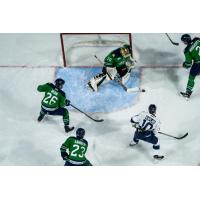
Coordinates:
78 49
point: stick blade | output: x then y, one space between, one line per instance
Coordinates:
98 120
175 43
185 135
135 89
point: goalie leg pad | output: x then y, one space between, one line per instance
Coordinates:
111 73
96 81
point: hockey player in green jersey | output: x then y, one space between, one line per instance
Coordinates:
54 102
192 60
117 65
74 148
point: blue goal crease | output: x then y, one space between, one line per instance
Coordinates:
110 97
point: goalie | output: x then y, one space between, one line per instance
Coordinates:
117 66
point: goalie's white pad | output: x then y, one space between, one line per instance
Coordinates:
111 73
96 81
92 84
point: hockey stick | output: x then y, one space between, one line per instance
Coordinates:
178 138
135 89
96 120
174 43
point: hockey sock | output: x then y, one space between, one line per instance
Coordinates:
66 118
190 84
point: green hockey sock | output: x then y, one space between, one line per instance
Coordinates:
190 83
66 119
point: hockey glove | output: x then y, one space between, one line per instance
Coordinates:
134 124
67 102
64 155
187 65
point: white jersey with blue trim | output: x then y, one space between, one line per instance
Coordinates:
146 122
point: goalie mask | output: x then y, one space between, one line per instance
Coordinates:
125 50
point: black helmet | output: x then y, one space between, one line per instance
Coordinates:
152 109
80 132
186 38
59 83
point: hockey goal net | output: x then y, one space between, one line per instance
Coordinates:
79 49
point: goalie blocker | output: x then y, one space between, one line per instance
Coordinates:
117 65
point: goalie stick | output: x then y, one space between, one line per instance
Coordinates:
96 120
174 43
135 89
178 138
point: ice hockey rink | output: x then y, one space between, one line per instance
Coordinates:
32 59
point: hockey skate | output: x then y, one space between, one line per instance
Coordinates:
186 94
158 157
40 118
133 143
68 129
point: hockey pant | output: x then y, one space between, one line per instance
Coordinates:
60 112
147 136
68 163
194 71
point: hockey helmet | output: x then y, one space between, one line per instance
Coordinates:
125 50
186 38
59 83
80 133
127 46
152 109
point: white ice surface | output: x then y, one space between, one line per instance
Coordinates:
25 142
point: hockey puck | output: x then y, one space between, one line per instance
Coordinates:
143 90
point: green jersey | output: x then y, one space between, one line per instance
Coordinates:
192 53
76 149
54 98
116 59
